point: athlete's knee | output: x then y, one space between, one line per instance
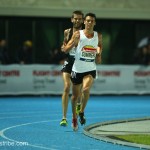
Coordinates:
74 97
67 88
86 90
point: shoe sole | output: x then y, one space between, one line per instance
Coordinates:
75 129
63 124
82 122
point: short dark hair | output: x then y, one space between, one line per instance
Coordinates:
78 12
91 15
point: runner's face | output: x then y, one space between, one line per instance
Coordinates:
89 22
77 21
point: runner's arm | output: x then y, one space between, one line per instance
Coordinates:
65 39
98 59
73 42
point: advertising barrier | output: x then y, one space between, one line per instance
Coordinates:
47 79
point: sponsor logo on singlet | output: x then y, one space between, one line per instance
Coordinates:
88 53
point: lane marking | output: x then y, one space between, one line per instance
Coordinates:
25 124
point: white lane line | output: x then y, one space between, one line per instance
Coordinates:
2 133
26 112
13 117
25 124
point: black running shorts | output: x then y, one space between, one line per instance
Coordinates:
67 67
77 78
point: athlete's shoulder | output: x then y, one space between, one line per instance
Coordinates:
67 30
99 34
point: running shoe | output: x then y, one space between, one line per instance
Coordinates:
82 119
78 108
63 122
74 124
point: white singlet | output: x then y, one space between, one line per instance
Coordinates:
85 53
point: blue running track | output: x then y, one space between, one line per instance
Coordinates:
32 123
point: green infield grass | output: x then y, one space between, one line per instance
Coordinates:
135 138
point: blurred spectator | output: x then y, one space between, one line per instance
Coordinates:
57 57
142 54
4 55
24 55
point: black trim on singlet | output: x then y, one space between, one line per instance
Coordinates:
70 58
70 34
